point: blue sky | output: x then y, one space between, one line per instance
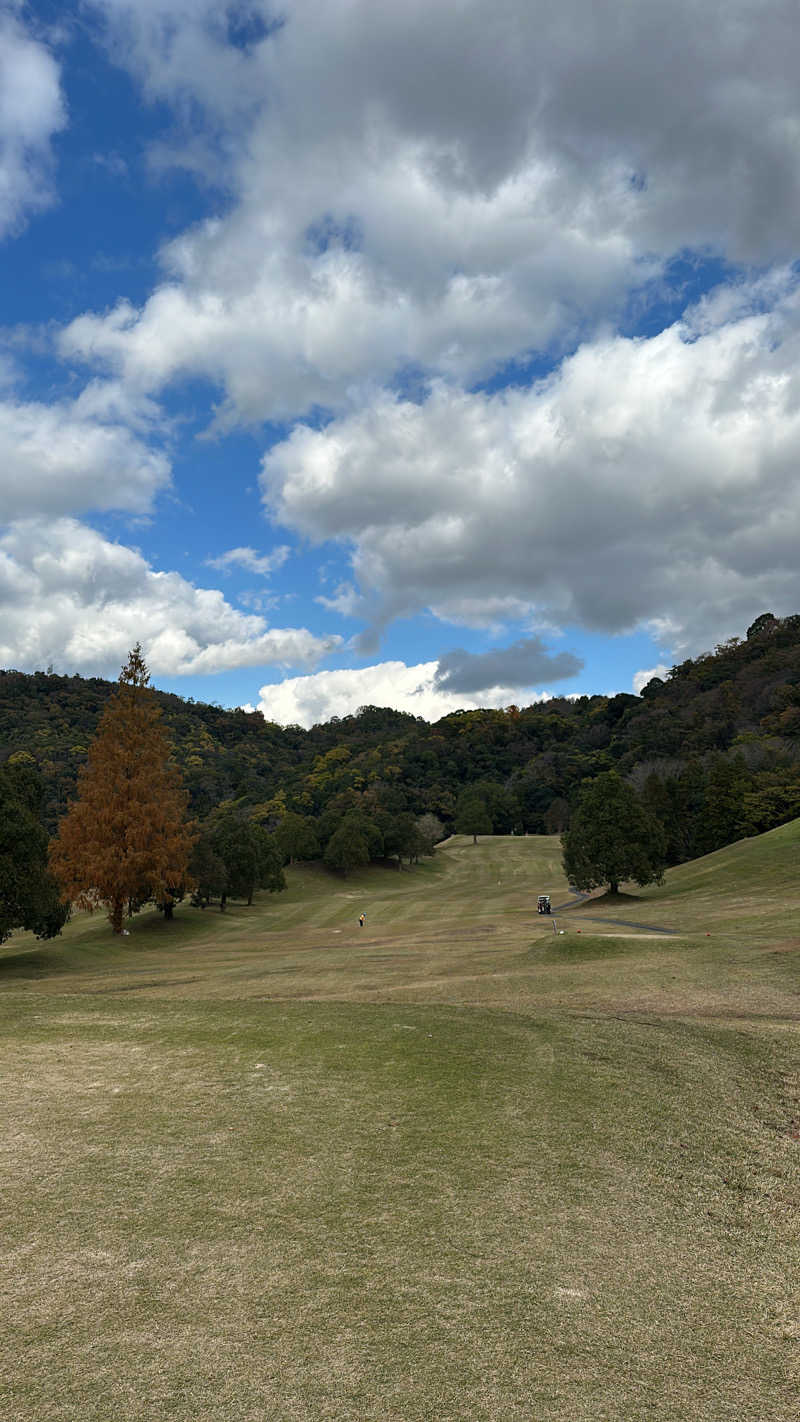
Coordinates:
430 355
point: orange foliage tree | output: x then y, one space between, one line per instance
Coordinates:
126 838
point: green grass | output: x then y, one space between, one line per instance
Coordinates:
266 1165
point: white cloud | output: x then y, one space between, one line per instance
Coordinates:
283 328
71 597
645 481
345 600
31 111
446 186
417 194
75 455
262 564
641 678
306 700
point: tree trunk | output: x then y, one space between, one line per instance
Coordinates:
117 907
250 899
613 887
474 839
223 899
168 907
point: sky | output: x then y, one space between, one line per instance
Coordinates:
433 354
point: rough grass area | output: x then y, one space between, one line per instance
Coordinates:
267 1165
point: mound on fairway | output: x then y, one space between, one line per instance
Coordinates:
266 1165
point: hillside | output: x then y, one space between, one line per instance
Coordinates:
714 748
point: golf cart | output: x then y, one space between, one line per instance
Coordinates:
543 904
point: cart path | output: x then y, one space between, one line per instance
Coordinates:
626 923
570 903
617 922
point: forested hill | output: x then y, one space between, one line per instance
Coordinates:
714 749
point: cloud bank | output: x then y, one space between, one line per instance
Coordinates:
71 598
411 206
650 480
306 700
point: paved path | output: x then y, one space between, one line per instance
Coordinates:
626 923
581 899
618 922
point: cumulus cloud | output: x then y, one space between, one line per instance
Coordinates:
307 700
75 455
418 195
260 563
644 481
448 186
31 111
525 663
345 600
71 597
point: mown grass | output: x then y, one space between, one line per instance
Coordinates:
265 1165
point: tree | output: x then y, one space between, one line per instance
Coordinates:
612 837
765 625
472 816
400 836
557 818
369 831
269 862
502 805
125 839
297 837
29 895
251 857
725 817
346 849
208 871
430 831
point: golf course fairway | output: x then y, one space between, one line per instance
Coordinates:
456 1164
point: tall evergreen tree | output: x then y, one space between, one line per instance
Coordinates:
125 839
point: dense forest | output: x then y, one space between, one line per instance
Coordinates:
713 749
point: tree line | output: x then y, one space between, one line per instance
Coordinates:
711 752
736 706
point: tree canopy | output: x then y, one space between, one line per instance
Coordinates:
612 837
346 849
297 837
29 895
251 857
472 815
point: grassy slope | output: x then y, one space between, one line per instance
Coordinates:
267 1165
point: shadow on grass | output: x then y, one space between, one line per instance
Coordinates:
33 963
94 945
609 900
576 950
